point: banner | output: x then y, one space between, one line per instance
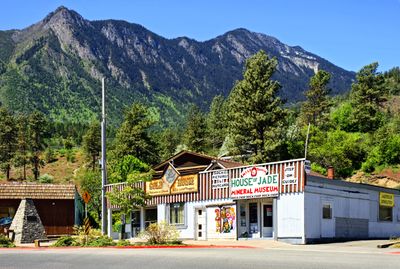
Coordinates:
254 182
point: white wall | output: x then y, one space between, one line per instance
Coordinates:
348 202
382 228
290 216
188 230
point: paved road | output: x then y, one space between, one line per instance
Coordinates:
226 258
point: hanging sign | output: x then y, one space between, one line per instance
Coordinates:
254 182
289 176
220 179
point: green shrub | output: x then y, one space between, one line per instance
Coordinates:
46 178
160 233
66 241
70 155
101 241
49 155
123 243
5 242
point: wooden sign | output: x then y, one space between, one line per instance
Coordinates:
182 184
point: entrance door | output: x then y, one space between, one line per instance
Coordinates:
327 221
135 221
267 228
200 224
253 220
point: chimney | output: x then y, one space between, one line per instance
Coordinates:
331 172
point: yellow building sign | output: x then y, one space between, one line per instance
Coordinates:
386 199
182 184
157 187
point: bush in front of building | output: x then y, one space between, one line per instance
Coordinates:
123 243
161 234
101 241
66 241
5 242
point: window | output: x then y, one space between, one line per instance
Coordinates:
327 211
177 214
385 213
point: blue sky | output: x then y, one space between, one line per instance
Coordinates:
349 33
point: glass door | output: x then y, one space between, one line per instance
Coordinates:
267 227
253 220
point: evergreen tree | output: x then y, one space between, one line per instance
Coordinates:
168 140
216 122
195 134
255 110
37 135
315 109
133 137
21 158
8 140
92 143
367 97
392 80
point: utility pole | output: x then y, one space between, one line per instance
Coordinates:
103 160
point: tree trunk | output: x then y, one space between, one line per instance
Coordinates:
24 171
8 172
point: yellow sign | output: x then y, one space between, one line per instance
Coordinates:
157 187
386 199
86 197
183 184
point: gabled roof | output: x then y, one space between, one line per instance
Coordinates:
188 162
185 155
25 190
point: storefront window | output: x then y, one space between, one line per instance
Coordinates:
385 213
177 214
327 211
150 216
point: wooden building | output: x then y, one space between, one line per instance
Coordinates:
59 206
207 198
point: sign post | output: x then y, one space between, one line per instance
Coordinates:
86 198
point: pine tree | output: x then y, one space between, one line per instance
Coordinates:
255 110
315 109
92 143
133 136
195 134
367 96
216 122
21 158
8 140
168 140
37 136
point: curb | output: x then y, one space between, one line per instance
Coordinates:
131 247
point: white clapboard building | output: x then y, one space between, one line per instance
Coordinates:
210 198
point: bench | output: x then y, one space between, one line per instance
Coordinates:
38 241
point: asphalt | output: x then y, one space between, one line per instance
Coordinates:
331 256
